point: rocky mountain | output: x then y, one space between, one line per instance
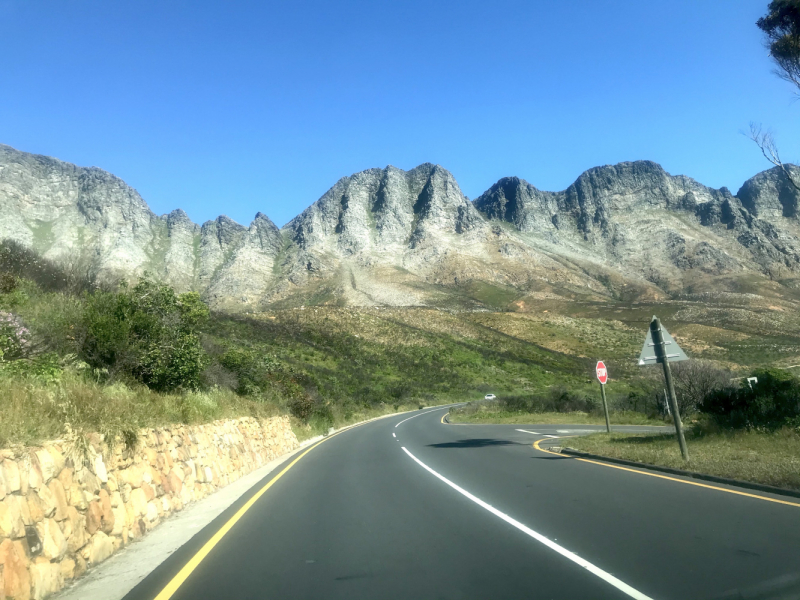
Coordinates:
407 238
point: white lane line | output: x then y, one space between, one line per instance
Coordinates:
394 434
550 436
526 431
577 430
607 577
422 413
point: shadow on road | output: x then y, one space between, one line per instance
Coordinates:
475 443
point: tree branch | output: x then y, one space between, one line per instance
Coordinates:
766 143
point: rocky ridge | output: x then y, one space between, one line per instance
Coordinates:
405 238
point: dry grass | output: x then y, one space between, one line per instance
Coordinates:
32 411
768 458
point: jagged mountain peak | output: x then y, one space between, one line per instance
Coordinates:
405 237
770 194
383 208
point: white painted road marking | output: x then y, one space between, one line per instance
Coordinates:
607 577
526 431
577 430
423 413
394 434
550 436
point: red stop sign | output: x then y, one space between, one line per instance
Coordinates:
602 372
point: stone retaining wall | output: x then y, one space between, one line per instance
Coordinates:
63 510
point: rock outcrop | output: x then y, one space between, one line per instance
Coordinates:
394 237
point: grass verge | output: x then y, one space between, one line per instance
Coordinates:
33 411
552 418
769 458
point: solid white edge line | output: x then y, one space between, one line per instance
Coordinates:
550 436
607 577
526 431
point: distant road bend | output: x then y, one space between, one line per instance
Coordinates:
410 507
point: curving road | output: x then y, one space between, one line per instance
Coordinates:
410 507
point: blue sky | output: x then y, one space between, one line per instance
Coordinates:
236 107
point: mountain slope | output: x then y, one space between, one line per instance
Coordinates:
404 238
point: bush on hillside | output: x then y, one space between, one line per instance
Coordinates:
695 380
148 332
15 338
771 403
263 377
559 399
17 262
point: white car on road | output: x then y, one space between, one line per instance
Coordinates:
489 397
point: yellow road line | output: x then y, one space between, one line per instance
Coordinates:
637 471
190 566
443 416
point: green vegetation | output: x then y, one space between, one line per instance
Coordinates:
773 402
116 358
552 418
748 455
747 431
83 357
558 406
147 332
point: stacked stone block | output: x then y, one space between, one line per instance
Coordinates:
63 510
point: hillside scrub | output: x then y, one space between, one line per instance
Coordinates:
147 332
772 402
558 406
61 334
83 357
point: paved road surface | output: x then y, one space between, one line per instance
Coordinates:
414 508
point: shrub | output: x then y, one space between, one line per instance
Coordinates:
72 275
44 368
695 380
15 338
8 283
148 332
559 399
771 403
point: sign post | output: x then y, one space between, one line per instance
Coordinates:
602 377
661 348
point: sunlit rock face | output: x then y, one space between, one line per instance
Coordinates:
408 238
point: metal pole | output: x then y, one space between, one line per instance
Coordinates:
661 356
605 406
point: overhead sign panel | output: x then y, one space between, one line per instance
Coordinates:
671 349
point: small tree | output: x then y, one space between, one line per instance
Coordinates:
696 379
781 26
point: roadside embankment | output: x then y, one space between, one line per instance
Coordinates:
69 504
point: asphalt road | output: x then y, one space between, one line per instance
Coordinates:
413 508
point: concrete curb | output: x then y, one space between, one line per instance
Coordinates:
738 483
